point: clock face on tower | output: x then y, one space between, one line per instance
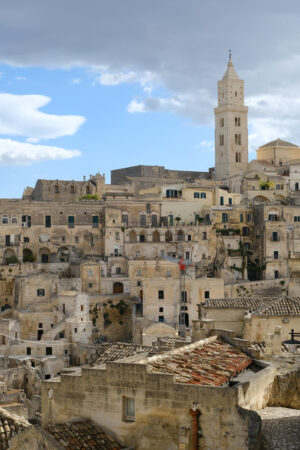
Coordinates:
50 393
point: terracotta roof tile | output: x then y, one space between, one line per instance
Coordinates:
10 425
283 306
251 303
210 362
82 434
115 351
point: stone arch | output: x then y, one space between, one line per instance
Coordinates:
8 256
155 236
157 330
168 236
118 288
132 236
180 235
260 199
44 255
28 255
63 254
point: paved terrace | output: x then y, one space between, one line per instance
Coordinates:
209 362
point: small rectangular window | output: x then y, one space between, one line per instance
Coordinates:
28 350
26 240
71 221
90 285
189 237
206 294
48 221
128 409
161 318
161 295
276 254
276 274
241 218
47 376
204 235
203 194
161 309
221 201
224 217
95 221
274 236
221 139
148 208
230 201
48 351
75 330
196 195
125 219
40 292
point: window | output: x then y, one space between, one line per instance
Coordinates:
117 235
139 273
183 296
224 217
241 218
246 231
276 254
187 255
168 273
125 219
276 274
76 239
26 240
5 220
206 294
14 220
296 186
275 236
249 217
296 218
7 240
72 189
28 350
204 235
221 200
66 351
71 221
118 270
154 220
189 237
139 283
26 221
40 292
221 122
48 221
221 139
161 309
238 157
273 218
237 121
90 285
75 330
81 307
128 409
171 193
142 220
63 239
230 201
277 187
142 238
203 195
47 376
196 195
237 139
95 221
161 318
161 295
148 208
56 189
49 351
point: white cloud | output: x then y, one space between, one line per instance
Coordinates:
113 79
20 115
20 78
76 81
206 146
23 153
136 107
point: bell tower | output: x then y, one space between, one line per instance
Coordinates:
231 126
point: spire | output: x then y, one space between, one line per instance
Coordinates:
230 71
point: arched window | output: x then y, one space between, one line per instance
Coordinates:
180 235
132 236
154 220
14 220
168 236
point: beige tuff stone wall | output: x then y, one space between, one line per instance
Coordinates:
258 328
161 406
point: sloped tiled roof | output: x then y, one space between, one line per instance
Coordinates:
211 362
115 351
82 434
279 143
283 306
251 303
10 425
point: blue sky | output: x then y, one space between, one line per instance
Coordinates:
110 138
93 86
